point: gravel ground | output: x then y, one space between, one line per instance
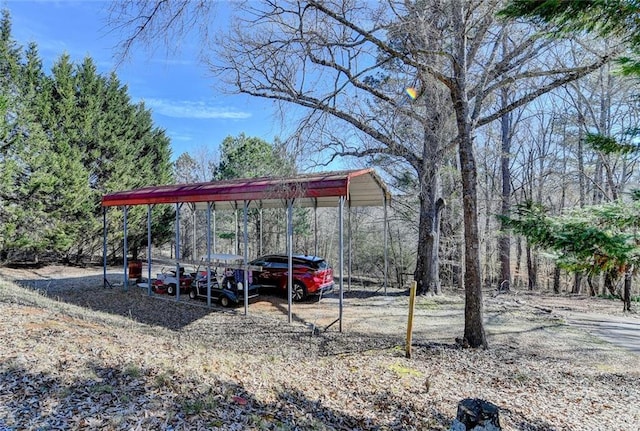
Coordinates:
77 356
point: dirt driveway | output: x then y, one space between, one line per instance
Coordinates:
441 318
367 309
621 331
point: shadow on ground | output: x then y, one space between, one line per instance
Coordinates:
131 302
266 320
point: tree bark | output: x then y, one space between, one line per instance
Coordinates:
517 282
488 266
426 273
577 283
592 286
435 262
628 277
556 279
474 333
532 269
580 157
504 240
610 282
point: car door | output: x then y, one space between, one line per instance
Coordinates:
277 271
266 276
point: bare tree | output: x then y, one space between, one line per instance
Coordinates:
349 61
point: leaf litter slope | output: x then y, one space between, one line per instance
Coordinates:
86 357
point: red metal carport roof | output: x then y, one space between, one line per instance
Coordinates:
360 187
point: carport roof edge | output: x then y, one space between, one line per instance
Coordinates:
361 187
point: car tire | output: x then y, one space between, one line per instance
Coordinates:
193 293
299 291
171 289
224 301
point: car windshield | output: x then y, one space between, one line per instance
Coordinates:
321 264
318 264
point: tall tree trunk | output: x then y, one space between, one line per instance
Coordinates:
610 282
563 196
556 279
435 261
604 128
426 273
598 183
580 157
504 240
488 264
577 280
628 277
518 270
577 283
532 269
592 286
474 333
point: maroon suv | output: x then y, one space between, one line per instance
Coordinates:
312 275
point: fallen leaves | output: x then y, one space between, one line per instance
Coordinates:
181 367
239 400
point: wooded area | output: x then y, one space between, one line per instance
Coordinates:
66 138
506 112
499 113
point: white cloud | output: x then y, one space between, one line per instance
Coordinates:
182 137
193 109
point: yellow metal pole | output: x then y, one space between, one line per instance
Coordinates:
412 304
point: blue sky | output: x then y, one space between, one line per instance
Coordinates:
178 90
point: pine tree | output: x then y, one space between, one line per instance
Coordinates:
72 204
26 183
250 157
65 140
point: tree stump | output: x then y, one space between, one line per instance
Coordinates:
476 415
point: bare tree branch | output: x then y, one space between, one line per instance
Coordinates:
569 77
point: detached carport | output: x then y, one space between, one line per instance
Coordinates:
355 188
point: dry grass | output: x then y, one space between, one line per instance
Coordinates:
77 356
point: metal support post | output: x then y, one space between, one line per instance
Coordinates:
149 207
290 256
125 250
341 257
245 282
386 246
209 204
104 246
349 246
178 206
315 226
